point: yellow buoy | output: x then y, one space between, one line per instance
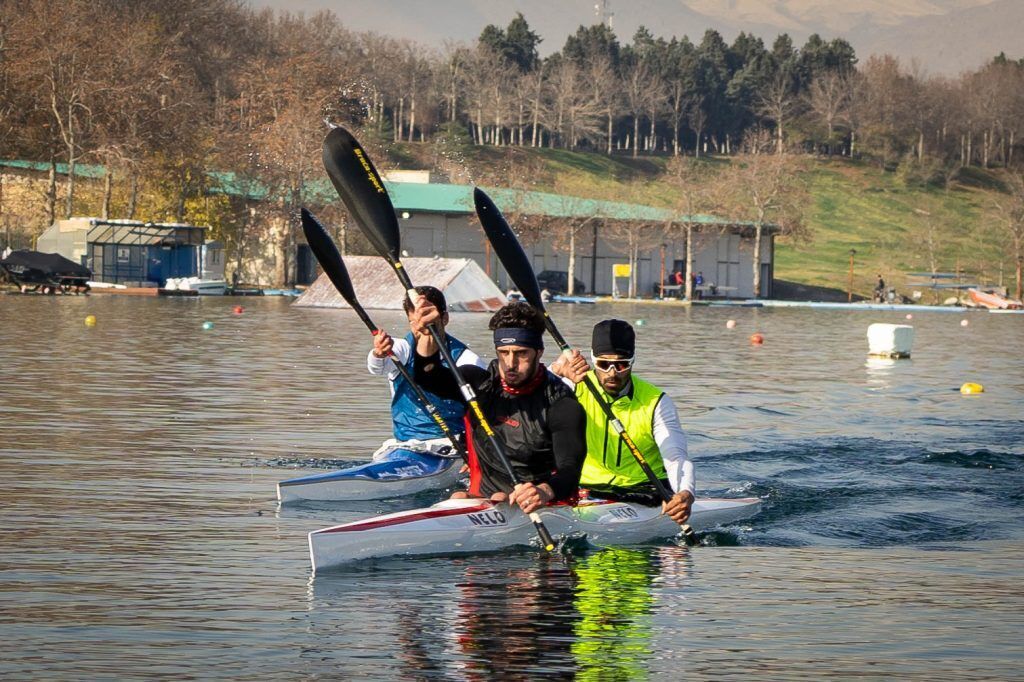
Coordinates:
971 388
90 320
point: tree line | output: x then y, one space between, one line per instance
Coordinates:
161 93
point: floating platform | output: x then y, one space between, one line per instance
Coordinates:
573 299
466 287
126 291
896 307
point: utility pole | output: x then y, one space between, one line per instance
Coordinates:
849 289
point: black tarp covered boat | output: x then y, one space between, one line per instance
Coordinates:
50 272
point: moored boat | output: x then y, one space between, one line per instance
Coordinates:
404 472
471 526
992 300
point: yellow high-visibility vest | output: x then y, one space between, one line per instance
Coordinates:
609 462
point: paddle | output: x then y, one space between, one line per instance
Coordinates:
330 260
517 265
362 190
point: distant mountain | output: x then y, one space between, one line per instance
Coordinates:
954 42
945 36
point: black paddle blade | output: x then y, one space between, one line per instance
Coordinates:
506 245
362 190
327 255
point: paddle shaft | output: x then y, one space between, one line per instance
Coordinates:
470 396
520 270
428 405
659 485
327 254
362 190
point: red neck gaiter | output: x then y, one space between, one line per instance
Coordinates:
530 386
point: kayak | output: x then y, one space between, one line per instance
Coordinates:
473 525
404 472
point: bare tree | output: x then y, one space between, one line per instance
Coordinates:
573 109
766 189
606 92
636 90
777 102
697 192
828 97
1008 216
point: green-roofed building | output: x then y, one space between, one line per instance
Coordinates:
438 219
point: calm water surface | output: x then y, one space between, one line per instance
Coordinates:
139 535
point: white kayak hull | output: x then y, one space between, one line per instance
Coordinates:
470 526
403 473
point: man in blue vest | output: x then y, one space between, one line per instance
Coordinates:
649 416
413 428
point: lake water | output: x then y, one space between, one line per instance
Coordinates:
140 536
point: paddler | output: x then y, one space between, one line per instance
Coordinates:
414 429
649 416
534 414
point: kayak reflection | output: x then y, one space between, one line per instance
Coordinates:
516 623
510 616
613 634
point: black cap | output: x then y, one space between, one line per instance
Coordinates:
614 337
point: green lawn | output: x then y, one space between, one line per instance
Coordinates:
894 229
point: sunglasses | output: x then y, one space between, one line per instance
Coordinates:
618 365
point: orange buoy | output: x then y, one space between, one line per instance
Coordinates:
238 310
757 338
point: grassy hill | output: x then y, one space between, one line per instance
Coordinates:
894 226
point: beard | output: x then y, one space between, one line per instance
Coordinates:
520 378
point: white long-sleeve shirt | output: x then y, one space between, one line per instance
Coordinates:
671 440
402 350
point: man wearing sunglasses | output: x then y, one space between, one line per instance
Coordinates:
649 416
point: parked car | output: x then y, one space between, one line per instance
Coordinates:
557 282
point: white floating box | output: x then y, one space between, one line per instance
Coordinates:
890 340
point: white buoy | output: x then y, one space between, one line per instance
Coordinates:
890 340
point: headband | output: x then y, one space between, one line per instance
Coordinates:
518 336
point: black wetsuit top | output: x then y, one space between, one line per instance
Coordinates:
543 431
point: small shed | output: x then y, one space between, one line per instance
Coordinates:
129 251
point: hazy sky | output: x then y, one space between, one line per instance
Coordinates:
944 35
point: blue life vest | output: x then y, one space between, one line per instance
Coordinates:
410 418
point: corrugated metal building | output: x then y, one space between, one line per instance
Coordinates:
439 219
128 251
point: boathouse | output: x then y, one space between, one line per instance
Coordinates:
130 251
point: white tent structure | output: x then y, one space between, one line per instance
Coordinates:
465 285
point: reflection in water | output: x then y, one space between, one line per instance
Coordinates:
613 635
521 616
880 371
517 623
138 533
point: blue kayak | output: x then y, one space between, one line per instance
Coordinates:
402 472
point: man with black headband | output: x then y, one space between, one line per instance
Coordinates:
648 415
533 413
414 429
